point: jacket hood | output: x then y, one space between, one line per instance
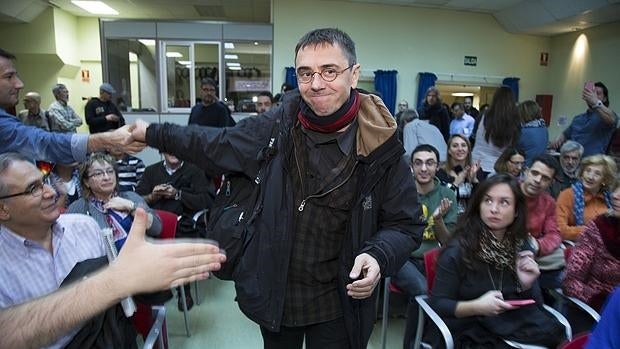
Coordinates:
375 124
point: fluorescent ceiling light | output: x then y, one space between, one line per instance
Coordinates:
95 7
231 57
174 54
233 64
147 42
234 68
462 94
185 62
229 45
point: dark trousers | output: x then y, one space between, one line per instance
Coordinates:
325 335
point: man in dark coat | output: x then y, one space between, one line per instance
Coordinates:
339 208
210 111
436 114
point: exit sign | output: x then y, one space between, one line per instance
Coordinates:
471 60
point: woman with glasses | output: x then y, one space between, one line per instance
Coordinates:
593 269
588 197
459 170
485 286
512 162
102 201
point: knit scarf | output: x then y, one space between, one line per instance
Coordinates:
579 201
500 254
609 227
331 123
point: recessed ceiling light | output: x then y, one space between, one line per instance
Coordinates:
231 57
255 43
234 68
462 94
185 62
95 7
233 64
174 54
229 45
147 42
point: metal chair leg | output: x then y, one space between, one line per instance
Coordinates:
185 316
386 305
196 295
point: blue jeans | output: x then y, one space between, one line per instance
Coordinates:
410 278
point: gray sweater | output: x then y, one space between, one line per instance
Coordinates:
83 206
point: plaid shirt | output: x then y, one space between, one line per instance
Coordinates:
320 163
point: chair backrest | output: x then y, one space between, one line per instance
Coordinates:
578 342
430 261
169 224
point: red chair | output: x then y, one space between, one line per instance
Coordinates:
578 342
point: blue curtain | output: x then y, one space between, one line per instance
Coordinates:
513 83
291 77
385 84
425 81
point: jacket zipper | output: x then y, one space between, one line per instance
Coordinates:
303 202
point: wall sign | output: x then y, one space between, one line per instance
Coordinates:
471 60
544 58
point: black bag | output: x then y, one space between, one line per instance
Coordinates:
234 206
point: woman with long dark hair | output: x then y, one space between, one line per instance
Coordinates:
499 128
485 268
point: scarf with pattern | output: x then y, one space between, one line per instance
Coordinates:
579 201
499 254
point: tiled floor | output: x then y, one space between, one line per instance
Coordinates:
217 323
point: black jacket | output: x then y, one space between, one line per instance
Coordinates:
385 219
436 115
95 112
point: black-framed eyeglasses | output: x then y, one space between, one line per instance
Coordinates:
35 189
327 74
427 163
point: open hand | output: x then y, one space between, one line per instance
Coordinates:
367 266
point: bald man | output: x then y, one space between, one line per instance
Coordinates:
33 114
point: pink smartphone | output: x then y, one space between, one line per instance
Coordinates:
589 86
520 302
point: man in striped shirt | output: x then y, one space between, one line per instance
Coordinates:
129 170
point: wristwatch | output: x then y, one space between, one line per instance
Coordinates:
177 196
598 104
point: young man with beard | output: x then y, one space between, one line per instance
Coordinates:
339 210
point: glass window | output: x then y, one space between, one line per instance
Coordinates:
248 72
207 60
132 71
178 79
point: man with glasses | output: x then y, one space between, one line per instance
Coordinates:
440 215
570 158
542 224
338 211
210 111
402 106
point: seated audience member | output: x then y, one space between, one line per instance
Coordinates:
534 135
181 188
33 114
484 267
512 162
68 176
570 157
61 117
417 132
593 269
462 123
263 102
542 224
109 207
39 247
459 170
129 170
402 106
101 113
606 334
440 213
433 111
594 128
586 198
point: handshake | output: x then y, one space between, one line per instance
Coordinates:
128 139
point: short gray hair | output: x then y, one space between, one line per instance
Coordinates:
6 160
56 89
329 36
571 146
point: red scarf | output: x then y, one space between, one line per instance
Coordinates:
331 123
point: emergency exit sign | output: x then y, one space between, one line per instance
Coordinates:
471 60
